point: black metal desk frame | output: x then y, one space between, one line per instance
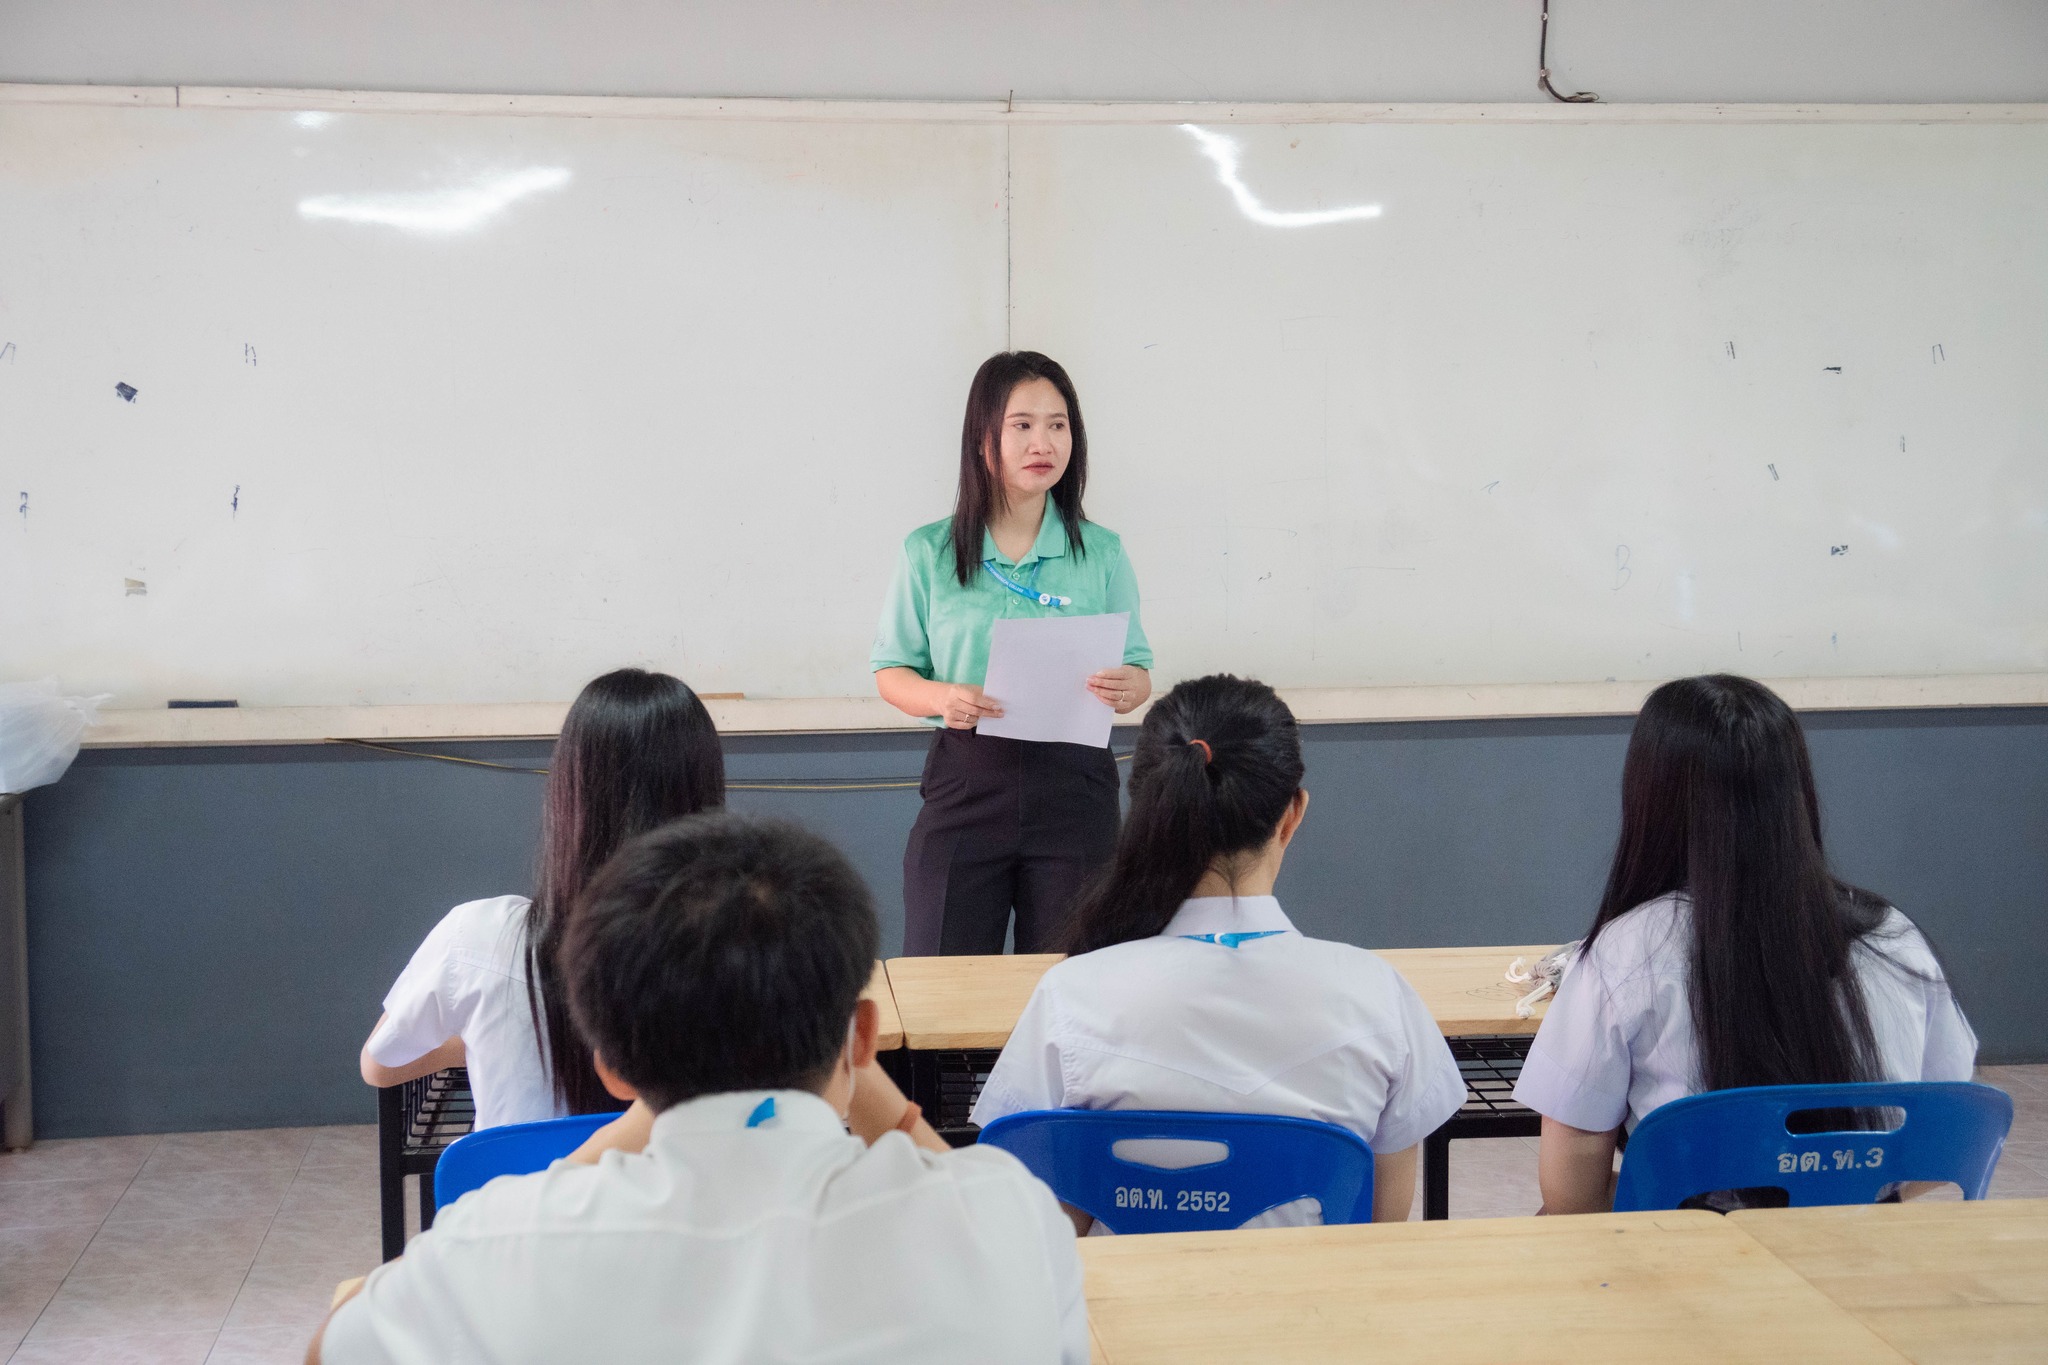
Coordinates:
945 1083
1490 1063
415 1123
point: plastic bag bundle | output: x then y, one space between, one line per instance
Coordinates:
40 732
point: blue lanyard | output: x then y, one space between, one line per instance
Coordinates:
1044 599
1232 940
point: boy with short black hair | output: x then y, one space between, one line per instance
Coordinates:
716 967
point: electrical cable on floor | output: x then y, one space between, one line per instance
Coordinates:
788 784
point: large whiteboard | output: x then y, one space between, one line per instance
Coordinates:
448 408
1580 402
466 407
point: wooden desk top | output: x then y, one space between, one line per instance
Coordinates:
963 1001
973 1002
1467 989
1939 1281
891 1035
1656 1287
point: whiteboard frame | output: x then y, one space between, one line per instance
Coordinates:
315 724
1017 112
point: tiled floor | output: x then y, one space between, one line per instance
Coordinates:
220 1247
224 1247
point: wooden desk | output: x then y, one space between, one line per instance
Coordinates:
1467 989
891 1035
973 1002
963 1002
1655 1287
1940 1282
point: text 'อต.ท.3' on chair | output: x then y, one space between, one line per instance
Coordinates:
1741 1139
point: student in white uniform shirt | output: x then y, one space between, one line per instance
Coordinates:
1725 953
637 750
716 966
1190 989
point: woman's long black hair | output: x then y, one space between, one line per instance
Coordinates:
637 750
1717 801
981 492
1190 807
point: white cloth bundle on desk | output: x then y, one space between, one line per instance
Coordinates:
1541 978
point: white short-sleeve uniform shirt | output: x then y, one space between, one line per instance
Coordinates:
1232 1010
786 1241
469 979
1618 1039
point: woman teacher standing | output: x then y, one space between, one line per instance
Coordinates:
1006 824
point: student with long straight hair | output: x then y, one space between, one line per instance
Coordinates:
637 749
1190 989
1725 952
1006 824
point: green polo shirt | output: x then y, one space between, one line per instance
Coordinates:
934 625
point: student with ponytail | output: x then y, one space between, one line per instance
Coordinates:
1725 952
1188 988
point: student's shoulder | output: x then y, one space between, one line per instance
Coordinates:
1355 969
527 1201
1652 938
1896 937
894 1167
489 915
978 1193
983 1167
1083 973
1348 955
490 930
1359 976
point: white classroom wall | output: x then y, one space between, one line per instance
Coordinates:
1794 51
1878 51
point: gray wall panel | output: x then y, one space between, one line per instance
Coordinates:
1947 815
211 929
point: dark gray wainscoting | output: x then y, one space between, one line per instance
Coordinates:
210 930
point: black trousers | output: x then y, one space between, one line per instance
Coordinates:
1007 824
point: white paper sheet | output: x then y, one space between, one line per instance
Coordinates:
1038 671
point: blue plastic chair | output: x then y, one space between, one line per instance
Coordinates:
509 1149
1738 1139
1271 1161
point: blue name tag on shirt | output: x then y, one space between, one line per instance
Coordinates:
1232 940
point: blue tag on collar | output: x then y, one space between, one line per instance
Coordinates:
1031 593
1232 940
763 1112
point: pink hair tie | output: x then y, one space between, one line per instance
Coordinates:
1208 754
